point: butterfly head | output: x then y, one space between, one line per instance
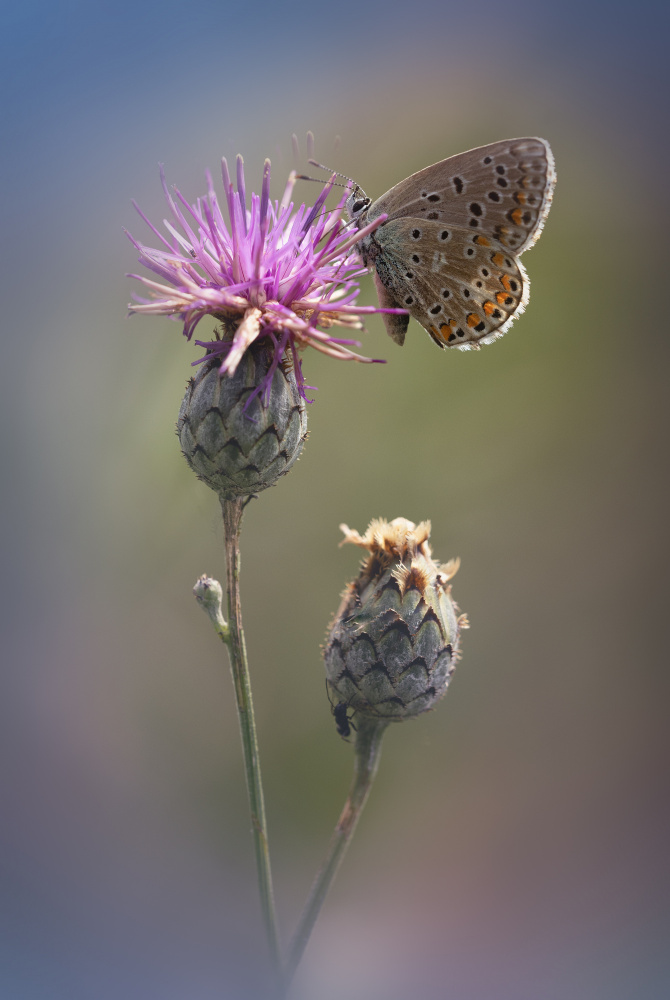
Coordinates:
357 206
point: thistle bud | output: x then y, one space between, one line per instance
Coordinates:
394 642
240 432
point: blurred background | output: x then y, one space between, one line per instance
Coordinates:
515 846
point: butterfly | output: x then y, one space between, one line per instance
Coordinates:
449 251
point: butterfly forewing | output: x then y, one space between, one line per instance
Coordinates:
464 288
502 190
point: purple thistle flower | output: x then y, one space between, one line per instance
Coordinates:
271 272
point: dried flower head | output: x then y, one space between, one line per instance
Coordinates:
271 271
394 642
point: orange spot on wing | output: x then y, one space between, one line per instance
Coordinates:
516 216
501 298
489 307
483 242
473 319
506 283
443 333
498 259
520 198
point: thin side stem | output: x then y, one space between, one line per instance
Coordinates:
366 761
232 519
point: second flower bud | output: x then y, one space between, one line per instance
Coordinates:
395 640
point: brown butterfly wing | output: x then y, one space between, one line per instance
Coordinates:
502 191
462 287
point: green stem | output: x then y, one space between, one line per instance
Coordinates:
233 636
366 760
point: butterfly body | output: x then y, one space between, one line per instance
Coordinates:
449 250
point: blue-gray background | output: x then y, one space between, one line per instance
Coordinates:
515 846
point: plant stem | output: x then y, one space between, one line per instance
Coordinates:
232 519
366 760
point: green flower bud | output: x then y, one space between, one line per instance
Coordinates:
241 432
394 642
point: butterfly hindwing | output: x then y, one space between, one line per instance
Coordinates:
462 287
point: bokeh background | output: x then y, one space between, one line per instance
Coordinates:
515 846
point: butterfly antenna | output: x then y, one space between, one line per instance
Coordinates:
321 166
319 180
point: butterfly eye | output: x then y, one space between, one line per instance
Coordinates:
359 205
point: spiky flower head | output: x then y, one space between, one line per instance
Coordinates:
276 280
269 272
395 640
